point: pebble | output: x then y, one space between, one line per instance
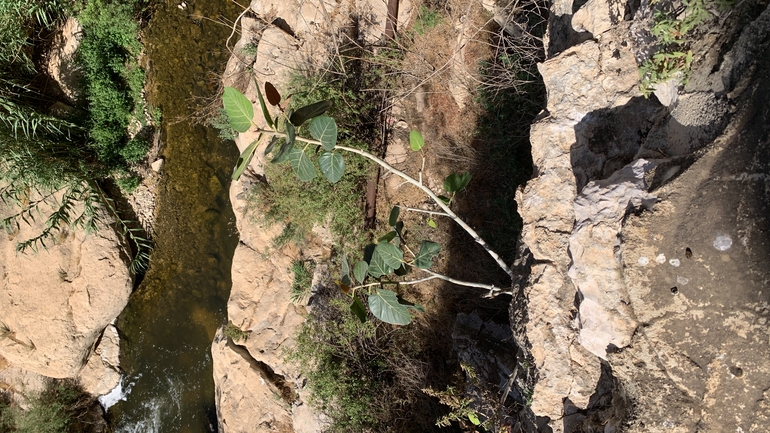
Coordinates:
723 242
674 262
643 261
661 258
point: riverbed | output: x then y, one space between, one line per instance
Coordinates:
171 318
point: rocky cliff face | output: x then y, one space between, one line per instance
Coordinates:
656 308
56 305
257 390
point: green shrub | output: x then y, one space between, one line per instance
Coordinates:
360 374
221 122
112 76
55 410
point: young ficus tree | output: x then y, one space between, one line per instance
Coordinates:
391 255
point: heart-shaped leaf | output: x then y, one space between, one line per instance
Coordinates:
456 183
416 142
384 305
238 108
394 215
324 129
424 258
390 254
265 112
309 111
273 97
357 307
245 158
360 270
300 162
332 165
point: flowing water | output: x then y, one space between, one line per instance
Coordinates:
170 320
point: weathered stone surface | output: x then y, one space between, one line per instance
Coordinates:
598 16
581 80
247 402
604 316
260 297
55 303
61 64
101 373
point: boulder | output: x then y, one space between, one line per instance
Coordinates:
56 302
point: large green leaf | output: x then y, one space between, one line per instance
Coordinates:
378 266
384 305
390 254
265 113
245 158
309 111
456 183
324 129
360 270
424 258
332 165
357 307
238 108
300 162
416 142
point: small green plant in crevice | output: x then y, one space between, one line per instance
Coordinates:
249 49
302 281
427 19
674 24
235 333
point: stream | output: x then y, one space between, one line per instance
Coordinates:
171 318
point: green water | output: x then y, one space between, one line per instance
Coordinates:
170 320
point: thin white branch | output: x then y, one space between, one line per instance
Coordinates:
433 197
426 211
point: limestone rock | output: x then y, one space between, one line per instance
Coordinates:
102 371
54 304
581 80
598 16
61 64
247 402
604 316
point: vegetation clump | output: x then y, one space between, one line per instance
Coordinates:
675 23
62 407
64 158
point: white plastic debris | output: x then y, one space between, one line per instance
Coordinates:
643 261
661 258
682 280
674 262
